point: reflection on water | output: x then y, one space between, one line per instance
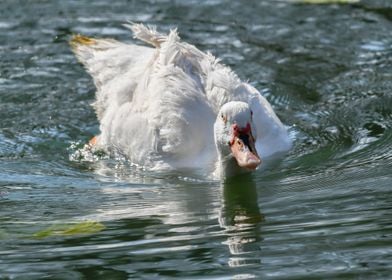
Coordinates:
241 218
321 211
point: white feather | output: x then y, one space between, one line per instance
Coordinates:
158 106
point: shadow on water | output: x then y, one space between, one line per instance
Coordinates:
240 216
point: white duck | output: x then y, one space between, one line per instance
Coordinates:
174 106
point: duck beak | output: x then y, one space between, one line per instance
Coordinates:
243 149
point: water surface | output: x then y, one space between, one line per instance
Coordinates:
323 211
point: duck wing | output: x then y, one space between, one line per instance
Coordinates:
150 102
114 66
178 106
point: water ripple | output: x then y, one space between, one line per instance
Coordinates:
322 211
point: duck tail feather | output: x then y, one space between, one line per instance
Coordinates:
147 34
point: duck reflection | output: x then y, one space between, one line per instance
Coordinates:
240 216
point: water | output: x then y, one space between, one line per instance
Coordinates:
323 211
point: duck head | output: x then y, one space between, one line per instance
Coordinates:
234 137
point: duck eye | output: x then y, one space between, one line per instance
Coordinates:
223 117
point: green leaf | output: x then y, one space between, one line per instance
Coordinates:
86 227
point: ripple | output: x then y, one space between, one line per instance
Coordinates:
374 46
321 211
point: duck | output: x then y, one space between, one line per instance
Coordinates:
166 105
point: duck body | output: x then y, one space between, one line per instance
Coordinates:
159 106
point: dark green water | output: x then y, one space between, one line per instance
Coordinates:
324 211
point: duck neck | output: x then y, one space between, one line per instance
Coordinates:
228 167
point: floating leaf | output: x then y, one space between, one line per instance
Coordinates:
87 227
84 228
45 233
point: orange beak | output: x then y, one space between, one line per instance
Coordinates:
243 148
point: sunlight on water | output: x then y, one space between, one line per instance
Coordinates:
321 211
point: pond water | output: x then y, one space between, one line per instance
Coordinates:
323 211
